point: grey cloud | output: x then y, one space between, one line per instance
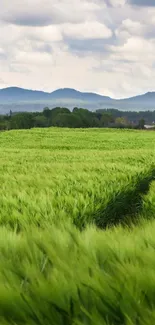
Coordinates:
30 19
87 45
108 3
42 14
37 19
90 46
3 56
44 48
146 3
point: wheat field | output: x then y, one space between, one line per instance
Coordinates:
77 242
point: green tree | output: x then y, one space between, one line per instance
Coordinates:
106 119
141 124
21 121
40 121
47 112
86 117
3 124
67 120
56 111
122 122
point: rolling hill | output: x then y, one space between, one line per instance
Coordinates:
19 99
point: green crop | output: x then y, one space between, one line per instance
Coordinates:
77 237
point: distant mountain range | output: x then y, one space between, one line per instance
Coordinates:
19 99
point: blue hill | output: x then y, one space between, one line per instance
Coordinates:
32 100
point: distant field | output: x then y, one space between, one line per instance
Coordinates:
62 261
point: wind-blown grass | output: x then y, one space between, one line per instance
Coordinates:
63 276
39 184
56 266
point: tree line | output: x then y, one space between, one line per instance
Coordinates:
78 118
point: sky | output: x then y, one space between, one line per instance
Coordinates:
102 46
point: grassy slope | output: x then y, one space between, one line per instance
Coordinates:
54 274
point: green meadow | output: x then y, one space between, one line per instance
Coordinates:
77 228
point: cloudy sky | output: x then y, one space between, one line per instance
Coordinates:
105 46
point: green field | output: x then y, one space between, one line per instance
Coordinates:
77 236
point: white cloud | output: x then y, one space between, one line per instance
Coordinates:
128 28
135 49
117 3
88 30
105 46
52 33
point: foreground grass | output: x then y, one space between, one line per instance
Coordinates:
55 183
62 276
